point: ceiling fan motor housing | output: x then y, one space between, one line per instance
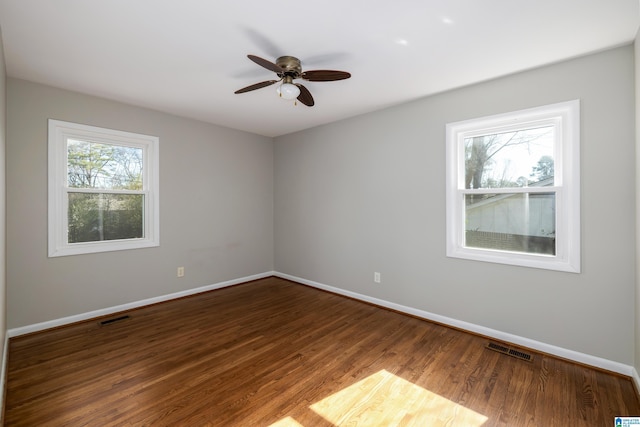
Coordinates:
290 66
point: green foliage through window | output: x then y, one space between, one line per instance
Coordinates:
96 165
103 216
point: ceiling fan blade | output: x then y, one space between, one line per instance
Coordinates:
305 96
326 58
264 63
256 86
263 42
325 75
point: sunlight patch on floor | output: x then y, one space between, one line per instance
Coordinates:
286 422
384 399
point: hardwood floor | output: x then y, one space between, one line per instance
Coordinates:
272 352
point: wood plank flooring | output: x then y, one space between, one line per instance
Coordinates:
276 353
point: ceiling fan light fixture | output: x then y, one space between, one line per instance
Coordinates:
288 68
288 91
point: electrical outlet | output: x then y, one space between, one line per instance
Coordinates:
376 277
180 271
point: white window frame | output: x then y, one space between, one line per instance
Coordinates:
59 133
565 117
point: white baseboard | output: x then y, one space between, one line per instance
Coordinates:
14 332
636 380
564 353
583 358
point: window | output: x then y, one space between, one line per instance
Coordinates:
103 189
513 188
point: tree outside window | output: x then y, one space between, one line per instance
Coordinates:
104 215
520 222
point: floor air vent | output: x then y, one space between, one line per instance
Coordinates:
114 320
519 354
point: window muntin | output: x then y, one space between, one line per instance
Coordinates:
103 189
513 188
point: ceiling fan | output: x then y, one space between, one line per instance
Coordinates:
288 68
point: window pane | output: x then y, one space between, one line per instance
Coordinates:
95 217
511 222
105 166
520 158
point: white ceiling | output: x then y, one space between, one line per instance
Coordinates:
187 57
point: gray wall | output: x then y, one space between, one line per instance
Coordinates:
353 197
216 209
3 256
637 298
368 194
